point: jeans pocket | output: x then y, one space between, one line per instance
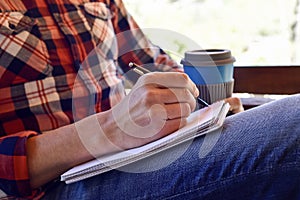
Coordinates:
23 55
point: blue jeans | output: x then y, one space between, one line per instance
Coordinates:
257 156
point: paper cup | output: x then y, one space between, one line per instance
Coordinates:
212 72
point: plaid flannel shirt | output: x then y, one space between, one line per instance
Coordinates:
55 51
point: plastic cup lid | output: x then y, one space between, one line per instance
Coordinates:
208 57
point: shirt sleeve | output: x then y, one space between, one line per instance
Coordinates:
135 46
14 177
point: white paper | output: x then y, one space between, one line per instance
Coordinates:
198 123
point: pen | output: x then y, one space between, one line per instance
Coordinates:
202 102
138 69
141 71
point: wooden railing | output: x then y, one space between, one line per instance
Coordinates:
279 80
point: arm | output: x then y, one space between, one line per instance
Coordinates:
52 153
159 103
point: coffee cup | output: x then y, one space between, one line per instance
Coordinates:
212 72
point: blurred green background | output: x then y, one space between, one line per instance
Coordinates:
257 32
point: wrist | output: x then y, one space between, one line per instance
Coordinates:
97 134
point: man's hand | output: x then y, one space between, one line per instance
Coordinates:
236 105
157 105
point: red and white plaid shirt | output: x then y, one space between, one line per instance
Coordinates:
60 60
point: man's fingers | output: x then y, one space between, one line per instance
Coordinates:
235 103
170 96
171 126
178 110
170 111
169 80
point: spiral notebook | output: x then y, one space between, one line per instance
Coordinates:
200 122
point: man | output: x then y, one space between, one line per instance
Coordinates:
62 103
